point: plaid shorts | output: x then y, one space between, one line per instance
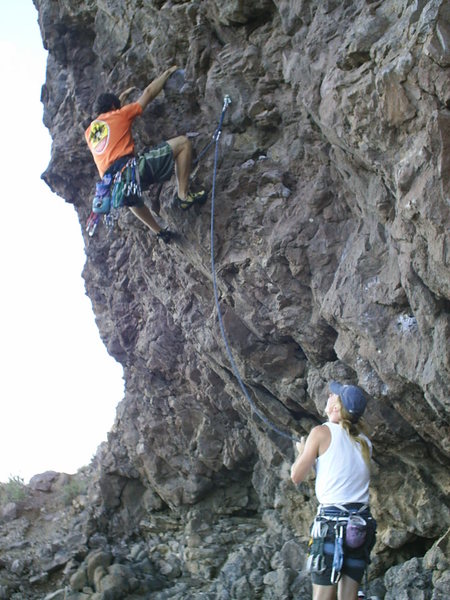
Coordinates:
155 164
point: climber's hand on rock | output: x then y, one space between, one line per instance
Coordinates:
124 95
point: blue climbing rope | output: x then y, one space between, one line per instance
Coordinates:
255 409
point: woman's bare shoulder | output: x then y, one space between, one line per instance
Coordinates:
320 431
321 436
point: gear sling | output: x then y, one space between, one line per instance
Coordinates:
119 186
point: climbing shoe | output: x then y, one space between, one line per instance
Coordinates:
165 235
191 199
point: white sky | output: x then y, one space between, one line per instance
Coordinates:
59 387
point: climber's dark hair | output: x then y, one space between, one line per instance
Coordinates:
106 102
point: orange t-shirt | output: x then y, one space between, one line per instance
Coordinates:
109 136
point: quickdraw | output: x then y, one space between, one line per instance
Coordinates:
315 562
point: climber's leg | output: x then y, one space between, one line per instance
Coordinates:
144 215
182 153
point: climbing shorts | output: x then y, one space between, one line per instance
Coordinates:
355 560
155 164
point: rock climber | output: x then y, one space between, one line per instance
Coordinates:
111 143
343 531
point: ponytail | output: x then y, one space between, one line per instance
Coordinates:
354 429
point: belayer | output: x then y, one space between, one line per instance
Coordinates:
343 531
124 175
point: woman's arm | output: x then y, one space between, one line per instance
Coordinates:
155 87
308 452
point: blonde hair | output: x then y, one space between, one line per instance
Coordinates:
354 429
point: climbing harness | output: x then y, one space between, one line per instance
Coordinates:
118 188
216 138
349 526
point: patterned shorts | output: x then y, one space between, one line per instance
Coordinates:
155 164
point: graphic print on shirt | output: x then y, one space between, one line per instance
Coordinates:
99 136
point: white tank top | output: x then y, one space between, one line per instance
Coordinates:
341 474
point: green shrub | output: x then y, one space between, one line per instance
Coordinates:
72 490
13 491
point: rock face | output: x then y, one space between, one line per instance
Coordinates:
331 236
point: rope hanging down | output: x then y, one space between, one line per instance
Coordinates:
255 409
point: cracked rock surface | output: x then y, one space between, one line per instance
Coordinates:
331 236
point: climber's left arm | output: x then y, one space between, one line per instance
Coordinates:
155 87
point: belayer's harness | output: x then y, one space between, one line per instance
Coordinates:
120 186
349 524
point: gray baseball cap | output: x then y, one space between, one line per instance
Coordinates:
353 398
